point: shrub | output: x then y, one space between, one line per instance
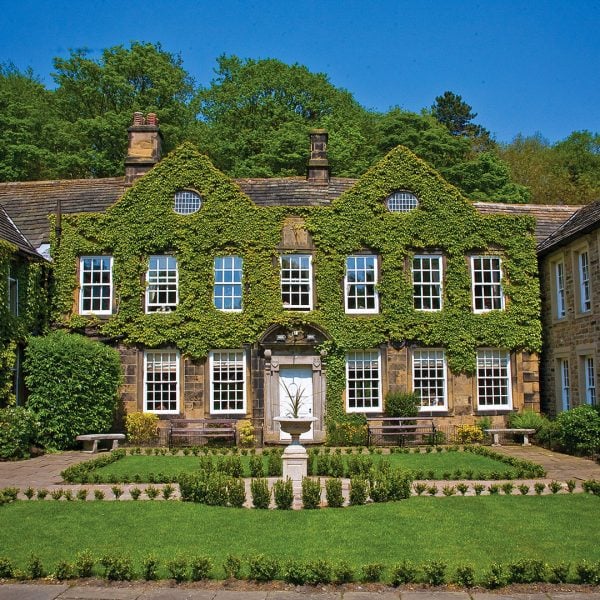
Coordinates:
465 576
150 567
343 572
311 493
580 430
117 491
434 572
402 404
463 488
262 568
555 486
261 495
274 464
539 487
560 572
351 430
588 572
333 491
295 572
404 572
236 492
63 570
178 568
319 571
245 432
41 493
358 491
84 564
232 567
73 383
117 567
151 492
495 577
527 419
468 434
6 568
200 567
524 489
372 572
18 430
35 569
448 490
142 428
420 488
508 488
256 466
571 485
478 488
283 494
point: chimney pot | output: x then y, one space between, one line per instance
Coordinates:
151 119
138 118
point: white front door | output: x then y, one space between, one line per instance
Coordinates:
296 382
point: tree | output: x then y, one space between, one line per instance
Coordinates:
25 114
257 116
96 100
456 115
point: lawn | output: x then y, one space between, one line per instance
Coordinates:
431 466
476 530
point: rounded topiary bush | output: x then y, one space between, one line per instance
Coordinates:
73 383
579 430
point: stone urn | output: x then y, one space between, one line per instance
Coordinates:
295 457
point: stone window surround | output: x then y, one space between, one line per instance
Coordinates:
210 379
486 409
502 296
553 276
442 269
436 408
216 284
584 352
375 296
298 282
577 252
142 381
382 361
162 287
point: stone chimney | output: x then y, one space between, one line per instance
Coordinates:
144 148
318 165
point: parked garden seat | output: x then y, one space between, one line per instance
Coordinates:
201 428
401 429
90 440
524 432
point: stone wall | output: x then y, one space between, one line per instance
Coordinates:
576 335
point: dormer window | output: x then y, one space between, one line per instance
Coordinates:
187 202
401 202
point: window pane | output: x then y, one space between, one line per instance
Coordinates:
296 281
493 374
486 274
361 280
228 378
427 286
227 290
162 379
161 293
95 284
429 378
187 202
363 381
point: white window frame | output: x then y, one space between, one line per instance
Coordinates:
83 285
187 202
401 202
364 356
172 353
240 357
431 360
487 292
589 375
559 285
13 293
232 267
367 284
422 273
565 383
500 360
290 283
163 285
583 273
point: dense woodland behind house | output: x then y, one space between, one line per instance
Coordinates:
253 120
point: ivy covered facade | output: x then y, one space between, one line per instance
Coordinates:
229 298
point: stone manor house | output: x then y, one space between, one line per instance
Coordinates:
226 298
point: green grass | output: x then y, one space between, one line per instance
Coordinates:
456 530
440 463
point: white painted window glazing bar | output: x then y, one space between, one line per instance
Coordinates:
561 309
493 379
429 378
427 282
363 381
95 285
360 284
162 280
228 381
296 281
585 300
161 381
565 384
590 381
227 292
486 274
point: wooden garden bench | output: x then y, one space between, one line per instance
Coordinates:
90 440
201 428
524 432
400 427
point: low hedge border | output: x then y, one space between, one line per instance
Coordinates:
262 568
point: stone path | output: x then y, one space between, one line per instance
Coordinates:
141 591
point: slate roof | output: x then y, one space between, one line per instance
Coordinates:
586 219
30 203
10 233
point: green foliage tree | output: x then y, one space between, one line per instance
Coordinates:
73 383
25 110
257 116
95 99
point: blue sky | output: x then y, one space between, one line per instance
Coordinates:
525 66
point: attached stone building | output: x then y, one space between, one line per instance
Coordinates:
570 281
225 296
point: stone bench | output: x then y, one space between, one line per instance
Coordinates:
90 440
524 432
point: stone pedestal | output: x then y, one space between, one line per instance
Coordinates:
295 464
